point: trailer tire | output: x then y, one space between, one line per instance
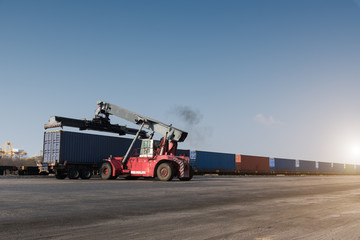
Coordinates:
85 173
106 171
73 173
165 172
60 175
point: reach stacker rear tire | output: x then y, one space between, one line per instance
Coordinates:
165 172
106 171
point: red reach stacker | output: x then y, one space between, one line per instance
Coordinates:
156 158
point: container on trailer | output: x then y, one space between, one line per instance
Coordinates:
215 162
82 148
250 163
325 167
285 165
307 166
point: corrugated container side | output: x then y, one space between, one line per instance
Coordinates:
254 164
212 161
83 148
285 165
325 167
338 167
307 166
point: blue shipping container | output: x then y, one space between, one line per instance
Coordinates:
307 166
325 167
285 165
212 161
82 148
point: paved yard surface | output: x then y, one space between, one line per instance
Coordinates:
266 207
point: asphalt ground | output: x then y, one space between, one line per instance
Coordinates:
208 207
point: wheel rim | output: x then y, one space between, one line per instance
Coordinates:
74 174
164 172
86 174
105 171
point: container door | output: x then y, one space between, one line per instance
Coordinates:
52 147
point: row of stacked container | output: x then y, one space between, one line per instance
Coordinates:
213 162
72 147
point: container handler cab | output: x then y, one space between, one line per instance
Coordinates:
156 158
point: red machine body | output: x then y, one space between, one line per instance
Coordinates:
147 167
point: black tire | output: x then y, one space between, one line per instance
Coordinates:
190 177
60 175
106 171
73 173
165 172
85 173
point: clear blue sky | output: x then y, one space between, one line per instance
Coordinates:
271 78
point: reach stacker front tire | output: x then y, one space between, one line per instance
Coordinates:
106 171
165 172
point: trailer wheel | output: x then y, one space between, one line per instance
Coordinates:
190 175
85 173
106 171
165 172
73 173
60 175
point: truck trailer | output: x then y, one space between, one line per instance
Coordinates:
76 154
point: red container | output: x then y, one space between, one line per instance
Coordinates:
246 163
